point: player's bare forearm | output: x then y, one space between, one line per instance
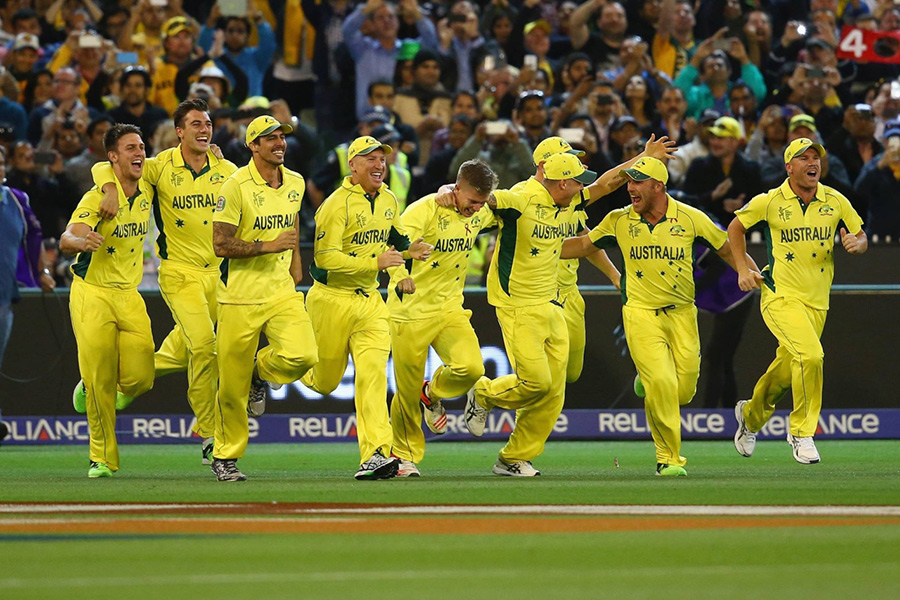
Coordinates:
228 246
79 237
577 247
600 259
737 243
296 259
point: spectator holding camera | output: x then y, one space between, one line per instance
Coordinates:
253 60
498 144
460 38
711 66
673 44
669 117
769 138
879 181
63 105
810 89
603 45
854 142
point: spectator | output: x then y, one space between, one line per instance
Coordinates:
48 205
382 96
622 130
638 101
643 18
143 31
770 137
459 40
22 58
635 60
13 115
398 177
757 37
724 180
603 45
38 89
437 171
178 46
537 42
879 182
464 103
743 107
78 168
426 104
714 70
64 104
135 86
698 146
253 60
673 44
813 86
375 58
603 106
669 117
326 18
506 153
531 117
855 144
212 75
68 143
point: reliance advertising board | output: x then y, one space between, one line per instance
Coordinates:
572 425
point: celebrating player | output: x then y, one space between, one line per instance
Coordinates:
801 218
358 233
112 329
656 235
434 316
187 179
256 230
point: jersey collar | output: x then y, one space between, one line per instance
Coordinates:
790 194
671 212
540 193
258 179
357 189
178 161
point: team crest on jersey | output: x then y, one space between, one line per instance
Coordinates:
784 213
443 222
259 199
389 214
476 221
677 231
360 220
176 179
294 196
826 210
216 178
220 206
540 212
145 205
634 230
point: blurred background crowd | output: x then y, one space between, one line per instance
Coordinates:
731 81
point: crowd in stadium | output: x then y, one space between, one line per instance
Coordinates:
731 81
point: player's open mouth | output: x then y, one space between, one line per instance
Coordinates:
812 172
203 140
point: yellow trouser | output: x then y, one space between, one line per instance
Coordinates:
798 365
190 293
115 350
290 353
355 324
665 348
538 347
455 342
573 310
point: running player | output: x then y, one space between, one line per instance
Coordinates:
358 233
656 234
802 217
187 179
112 329
256 230
434 316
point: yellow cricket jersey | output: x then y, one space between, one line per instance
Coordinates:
119 262
567 271
261 214
352 229
658 258
183 204
800 240
163 91
440 279
533 227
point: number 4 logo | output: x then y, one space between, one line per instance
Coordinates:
853 43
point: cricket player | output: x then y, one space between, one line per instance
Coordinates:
801 219
522 285
358 233
256 231
434 316
656 235
112 329
187 180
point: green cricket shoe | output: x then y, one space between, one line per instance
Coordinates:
98 469
79 398
665 470
639 386
123 401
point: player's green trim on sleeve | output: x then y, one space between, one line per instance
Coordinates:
317 273
396 239
507 247
705 242
223 271
768 276
607 241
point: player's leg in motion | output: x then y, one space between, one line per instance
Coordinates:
292 345
573 308
458 347
410 341
191 345
684 341
646 332
332 315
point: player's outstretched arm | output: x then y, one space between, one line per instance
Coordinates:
854 244
577 247
419 249
662 148
734 252
226 245
79 237
600 259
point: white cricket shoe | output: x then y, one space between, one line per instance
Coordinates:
433 410
804 449
408 469
744 439
475 415
518 468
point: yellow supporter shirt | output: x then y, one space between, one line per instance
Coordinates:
352 229
658 258
119 262
533 227
800 240
163 91
440 279
183 204
260 213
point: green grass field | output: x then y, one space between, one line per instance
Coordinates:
771 558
